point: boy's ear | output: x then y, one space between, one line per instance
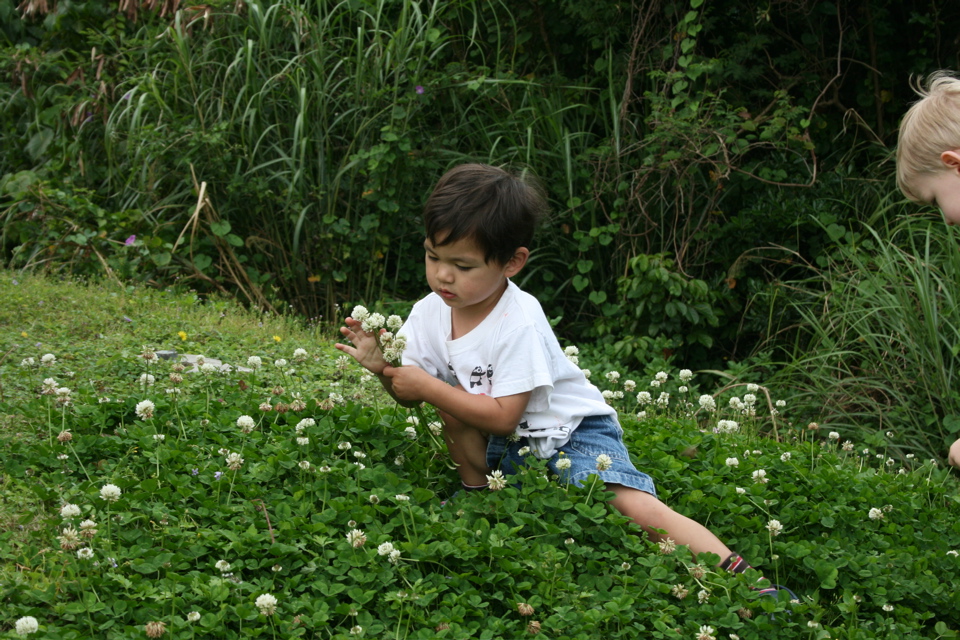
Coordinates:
951 159
517 262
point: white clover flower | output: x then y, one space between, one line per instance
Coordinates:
654 383
685 375
661 376
356 630
48 359
726 426
234 461
813 624
663 399
702 596
774 527
629 386
304 464
373 322
604 462
733 462
394 556
374 498
299 354
667 546
411 433
360 455
385 549
359 313
159 437
749 399
888 607
706 631
28 362
279 363
707 403
760 476
679 591
741 491
85 553
193 616
246 424
496 480
644 397
222 566
302 441
613 376
343 362
394 323
254 362
586 373
343 446
786 456
563 464
401 498
436 428
110 492
267 604
683 389
523 451
69 511
145 409
27 625
306 423
356 538
49 387
208 368
780 404
146 379
571 351
641 415
875 514
833 435
607 394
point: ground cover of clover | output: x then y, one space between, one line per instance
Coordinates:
287 497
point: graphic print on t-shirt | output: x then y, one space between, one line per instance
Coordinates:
476 377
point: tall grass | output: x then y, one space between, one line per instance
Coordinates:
316 127
880 334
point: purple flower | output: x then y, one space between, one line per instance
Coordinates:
419 90
126 319
194 472
15 283
217 475
129 241
128 95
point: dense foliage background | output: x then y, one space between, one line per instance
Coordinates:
711 165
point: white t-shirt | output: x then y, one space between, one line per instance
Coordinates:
513 350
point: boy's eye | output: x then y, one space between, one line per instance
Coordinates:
459 268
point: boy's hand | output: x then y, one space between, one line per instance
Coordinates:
365 349
408 383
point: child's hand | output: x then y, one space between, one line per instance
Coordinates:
408 382
365 349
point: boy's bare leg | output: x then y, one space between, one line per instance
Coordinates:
468 450
649 513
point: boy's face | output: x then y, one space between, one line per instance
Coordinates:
942 189
458 273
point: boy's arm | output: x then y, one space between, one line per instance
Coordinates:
496 416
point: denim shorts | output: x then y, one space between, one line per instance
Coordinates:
594 435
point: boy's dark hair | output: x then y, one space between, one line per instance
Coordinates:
495 208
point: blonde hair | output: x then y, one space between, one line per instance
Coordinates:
930 127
